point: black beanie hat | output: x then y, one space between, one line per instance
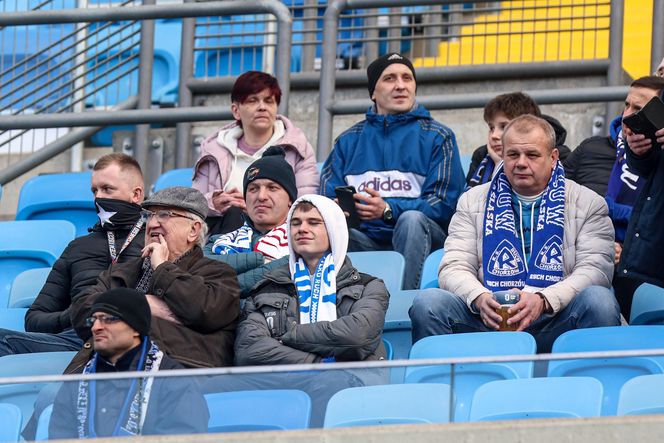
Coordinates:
128 304
273 166
377 67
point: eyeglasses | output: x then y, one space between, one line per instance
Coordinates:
162 215
104 319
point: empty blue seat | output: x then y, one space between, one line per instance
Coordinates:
13 318
386 265
174 177
466 160
647 305
42 424
11 422
389 351
642 395
388 405
612 372
26 287
23 395
29 244
258 410
537 398
59 197
468 377
430 269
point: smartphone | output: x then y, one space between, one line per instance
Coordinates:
347 204
648 120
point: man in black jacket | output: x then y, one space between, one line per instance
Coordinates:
117 186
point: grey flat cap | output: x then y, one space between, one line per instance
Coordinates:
182 197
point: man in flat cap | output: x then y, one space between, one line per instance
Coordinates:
194 301
119 321
405 168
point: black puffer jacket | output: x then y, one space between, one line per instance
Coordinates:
77 269
354 336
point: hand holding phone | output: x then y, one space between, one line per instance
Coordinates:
347 204
648 120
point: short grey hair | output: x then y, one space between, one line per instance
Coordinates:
525 124
202 234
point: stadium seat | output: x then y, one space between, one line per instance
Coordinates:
59 197
174 177
11 422
386 265
258 410
430 269
389 350
389 404
26 287
23 395
397 329
612 372
466 160
42 424
468 377
564 397
647 305
13 318
29 244
642 396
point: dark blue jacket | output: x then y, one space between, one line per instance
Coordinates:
411 159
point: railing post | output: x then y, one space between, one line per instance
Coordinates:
614 73
183 145
657 34
145 98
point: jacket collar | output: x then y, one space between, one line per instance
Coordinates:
418 112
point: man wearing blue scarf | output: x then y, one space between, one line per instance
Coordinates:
532 230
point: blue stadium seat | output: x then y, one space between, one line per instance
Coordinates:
59 197
11 422
174 177
642 396
13 318
389 405
389 351
564 397
258 410
39 363
26 287
647 305
430 269
42 424
397 327
612 372
468 377
29 244
466 160
386 265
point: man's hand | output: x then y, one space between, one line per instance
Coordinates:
371 207
222 201
638 143
529 308
617 247
158 252
160 309
487 306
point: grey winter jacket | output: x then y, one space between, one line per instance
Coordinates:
354 336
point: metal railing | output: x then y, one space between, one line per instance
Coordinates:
146 14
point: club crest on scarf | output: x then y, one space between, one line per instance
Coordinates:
273 245
504 262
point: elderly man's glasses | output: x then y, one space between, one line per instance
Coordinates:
162 215
104 319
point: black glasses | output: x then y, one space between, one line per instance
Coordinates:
104 319
162 215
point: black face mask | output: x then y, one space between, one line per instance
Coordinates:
114 213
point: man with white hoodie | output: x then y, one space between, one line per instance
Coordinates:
226 154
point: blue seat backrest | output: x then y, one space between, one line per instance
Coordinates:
647 305
430 269
612 372
174 177
387 265
468 377
26 286
42 424
11 422
59 197
642 395
389 404
259 410
537 398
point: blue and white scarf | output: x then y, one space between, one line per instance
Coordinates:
318 292
273 245
483 172
503 258
136 401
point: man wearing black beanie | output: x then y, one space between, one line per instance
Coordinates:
261 243
404 165
120 323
